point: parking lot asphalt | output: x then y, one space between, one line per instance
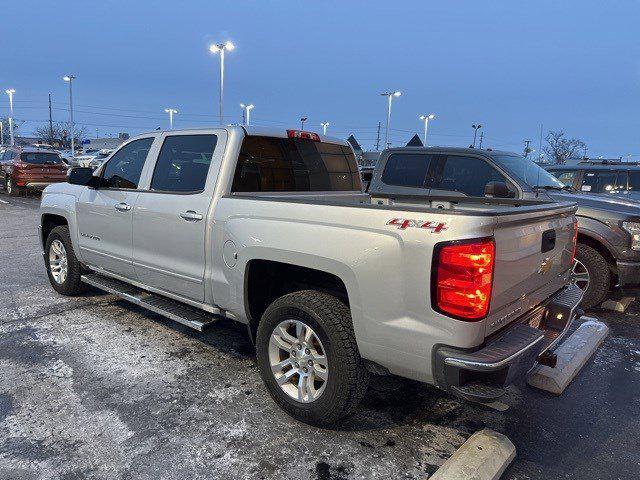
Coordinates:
96 388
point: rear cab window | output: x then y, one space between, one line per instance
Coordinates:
270 164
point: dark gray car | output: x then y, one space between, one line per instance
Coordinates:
608 249
611 179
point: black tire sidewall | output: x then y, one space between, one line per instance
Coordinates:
333 398
599 275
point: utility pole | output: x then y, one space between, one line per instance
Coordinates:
50 122
481 137
540 144
378 137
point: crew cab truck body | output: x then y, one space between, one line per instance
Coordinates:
270 228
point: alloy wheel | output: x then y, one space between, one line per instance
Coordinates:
298 360
58 262
580 275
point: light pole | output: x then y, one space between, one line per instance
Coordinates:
70 79
475 133
425 119
302 120
246 112
389 96
221 48
324 126
1 133
171 111
10 92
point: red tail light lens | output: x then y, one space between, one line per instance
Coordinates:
301 134
575 241
463 278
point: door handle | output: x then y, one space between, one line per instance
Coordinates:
122 207
191 216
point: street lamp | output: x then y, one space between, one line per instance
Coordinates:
170 111
10 92
324 126
426 119
221 48
302 120
246 112
390 96
70 79
475 133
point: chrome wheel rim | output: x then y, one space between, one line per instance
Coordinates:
58 261
298 361
580 275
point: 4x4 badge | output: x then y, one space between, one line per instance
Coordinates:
403 223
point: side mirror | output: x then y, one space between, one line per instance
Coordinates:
82 176
498 190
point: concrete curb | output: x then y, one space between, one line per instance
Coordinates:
484 456
572 354
618 305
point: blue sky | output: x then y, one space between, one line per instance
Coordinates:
509 65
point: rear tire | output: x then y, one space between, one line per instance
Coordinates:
331 339
599 276
63 268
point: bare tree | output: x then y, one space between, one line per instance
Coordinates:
58 134
559 148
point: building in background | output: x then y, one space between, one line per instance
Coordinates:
105 142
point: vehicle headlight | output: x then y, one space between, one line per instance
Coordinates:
634 230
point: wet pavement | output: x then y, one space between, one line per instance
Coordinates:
95 388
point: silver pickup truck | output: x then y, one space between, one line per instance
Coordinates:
270 228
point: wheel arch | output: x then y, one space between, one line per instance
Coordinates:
266 279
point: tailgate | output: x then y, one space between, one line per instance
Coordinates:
533 260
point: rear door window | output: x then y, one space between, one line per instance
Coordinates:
123 169
599 181
183 163
467 175
270 164
407 170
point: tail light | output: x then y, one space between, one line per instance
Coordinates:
575 241
463 277
301 134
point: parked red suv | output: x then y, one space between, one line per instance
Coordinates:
24 168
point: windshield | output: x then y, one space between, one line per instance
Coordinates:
528 171
40 158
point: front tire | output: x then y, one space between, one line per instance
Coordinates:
63 268
308 357
591 273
